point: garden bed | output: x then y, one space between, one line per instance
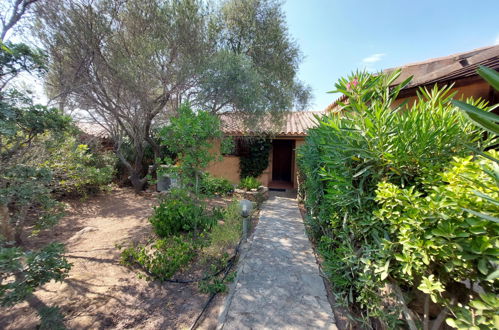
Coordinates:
102 293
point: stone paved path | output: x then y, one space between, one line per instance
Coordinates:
278 285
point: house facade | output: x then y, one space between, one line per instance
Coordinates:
285 138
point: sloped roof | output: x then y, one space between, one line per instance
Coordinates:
294 123
448 68
92 129
442 69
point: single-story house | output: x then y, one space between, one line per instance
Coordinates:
458 69
290 132
286 137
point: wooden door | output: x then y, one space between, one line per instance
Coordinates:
282 157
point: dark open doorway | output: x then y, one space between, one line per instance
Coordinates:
282 159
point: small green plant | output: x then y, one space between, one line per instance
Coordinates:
215 186
249 183
180 212
51 318
216 284
163 258
217 277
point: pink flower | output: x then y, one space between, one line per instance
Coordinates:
352 84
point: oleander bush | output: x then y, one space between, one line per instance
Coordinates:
392 193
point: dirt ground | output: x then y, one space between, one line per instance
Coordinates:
100 293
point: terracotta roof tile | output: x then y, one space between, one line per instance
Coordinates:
92 129
294 123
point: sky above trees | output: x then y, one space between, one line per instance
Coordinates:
337 37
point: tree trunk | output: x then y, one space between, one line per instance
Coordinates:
6 229
19 227
137 181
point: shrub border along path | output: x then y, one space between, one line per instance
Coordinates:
278 285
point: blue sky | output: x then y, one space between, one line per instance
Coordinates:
338 36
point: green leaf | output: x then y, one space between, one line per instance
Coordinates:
493 276
478 305
451 322
482 266
482 215
486 120
490 75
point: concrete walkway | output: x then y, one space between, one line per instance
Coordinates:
278 285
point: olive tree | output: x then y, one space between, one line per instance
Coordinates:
129 65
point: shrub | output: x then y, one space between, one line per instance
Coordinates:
179 212
344 161
249 183
163 258
438 239
190 136
215 186
77 169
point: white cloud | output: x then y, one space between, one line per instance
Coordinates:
373 58
496 42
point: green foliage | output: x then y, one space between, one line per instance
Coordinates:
226 234
211 185
227 145
179 212
24 185
16 58
190 136
349 160
235 79
256 160
437 226
221 56
249 183
22 122
482 315
163 258
257 29
51 319
216 284
484 119
77 169
21 272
